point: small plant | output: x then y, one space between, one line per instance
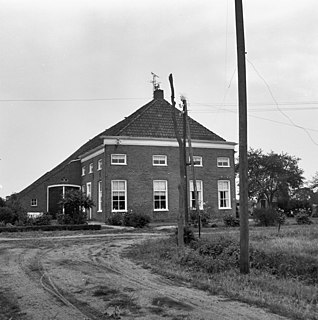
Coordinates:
303 217
42 220
6 215
136 219
266 217
231 221
116 219
188 235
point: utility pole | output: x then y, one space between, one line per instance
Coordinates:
181 186
185 161
194 180
241 67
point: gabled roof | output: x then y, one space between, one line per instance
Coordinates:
153 120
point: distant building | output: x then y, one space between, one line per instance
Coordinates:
135 165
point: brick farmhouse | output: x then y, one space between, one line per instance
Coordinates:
135 165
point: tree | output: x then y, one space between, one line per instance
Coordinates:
272 175
2 202
75 202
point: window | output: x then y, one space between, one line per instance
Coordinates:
159 160
199 194
89 189
83 188
160 195
90 170
100 194
34 202
197 161
83 171
99 164
119 195
224 194
223 162
118 159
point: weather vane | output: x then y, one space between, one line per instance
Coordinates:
155 83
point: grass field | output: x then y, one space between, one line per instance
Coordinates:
283 275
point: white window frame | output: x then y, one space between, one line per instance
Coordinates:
199 192
91 167
34 202
224 194
118 190
159 160
83 171
89 190
117 158
158 191
197 161
99 164
223 162
99 196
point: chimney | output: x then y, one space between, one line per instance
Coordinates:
158 94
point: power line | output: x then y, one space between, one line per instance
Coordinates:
68 100
257 117
280 110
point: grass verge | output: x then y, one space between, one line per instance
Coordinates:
283 275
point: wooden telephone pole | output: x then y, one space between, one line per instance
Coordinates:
182 185
241 68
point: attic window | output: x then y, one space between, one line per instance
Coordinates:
34 202
223 162
119 159
159 160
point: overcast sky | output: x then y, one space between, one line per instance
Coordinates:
100 54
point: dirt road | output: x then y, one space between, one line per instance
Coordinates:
86 278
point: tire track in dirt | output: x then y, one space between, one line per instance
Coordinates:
106 280
98 283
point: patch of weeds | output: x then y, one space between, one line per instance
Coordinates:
105 292
124 301
170 303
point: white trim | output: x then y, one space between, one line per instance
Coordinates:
111 200
163 157
222 160
88 156
153 142
166 194
99 164
58 185
229 194
200 192
99 196
120 156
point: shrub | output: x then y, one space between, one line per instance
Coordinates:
42 220
136 220
303 218
231 221
188 235
6 215
265 217
116 219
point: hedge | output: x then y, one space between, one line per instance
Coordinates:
71 227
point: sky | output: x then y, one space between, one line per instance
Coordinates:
71 69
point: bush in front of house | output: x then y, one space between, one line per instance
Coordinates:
303 217
116 219
42 220
188 235
231 221
6 215
266 217
136 219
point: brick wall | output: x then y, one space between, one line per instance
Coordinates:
69 174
